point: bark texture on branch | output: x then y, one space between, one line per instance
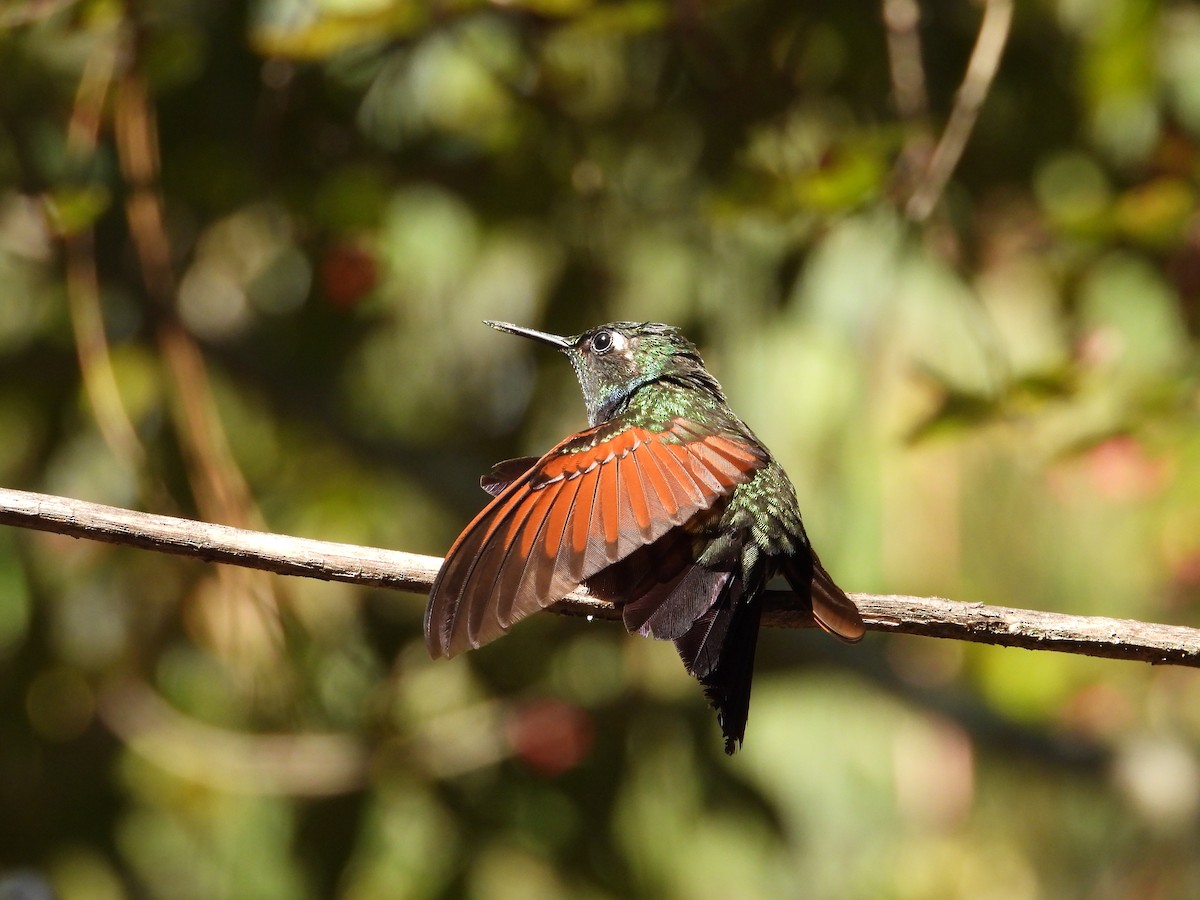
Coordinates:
928 616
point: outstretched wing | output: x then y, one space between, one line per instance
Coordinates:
588 503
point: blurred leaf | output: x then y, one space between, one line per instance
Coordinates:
958 413
76 210
313 30
623 17
1156 213
1027 686
1128 299
555 8
852 177
1075 194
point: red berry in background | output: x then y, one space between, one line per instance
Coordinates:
348 272
549 736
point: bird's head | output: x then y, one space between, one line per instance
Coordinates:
613 361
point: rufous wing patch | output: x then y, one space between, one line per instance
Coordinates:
587 504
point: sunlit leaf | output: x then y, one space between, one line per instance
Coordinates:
76 209
310 30
1156 213
852 177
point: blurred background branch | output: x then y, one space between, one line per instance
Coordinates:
904 48
83 286
243 614
298 765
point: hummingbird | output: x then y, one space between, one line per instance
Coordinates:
667 505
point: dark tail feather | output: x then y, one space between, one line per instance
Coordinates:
719 651
831 608
728 686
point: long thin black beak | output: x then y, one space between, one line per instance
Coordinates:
559 343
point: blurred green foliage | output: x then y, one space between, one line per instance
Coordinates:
998 404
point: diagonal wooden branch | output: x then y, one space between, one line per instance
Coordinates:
932 617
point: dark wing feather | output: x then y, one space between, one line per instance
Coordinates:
700 647
590 502
646 579
505 473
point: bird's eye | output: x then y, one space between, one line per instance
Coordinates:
602 342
